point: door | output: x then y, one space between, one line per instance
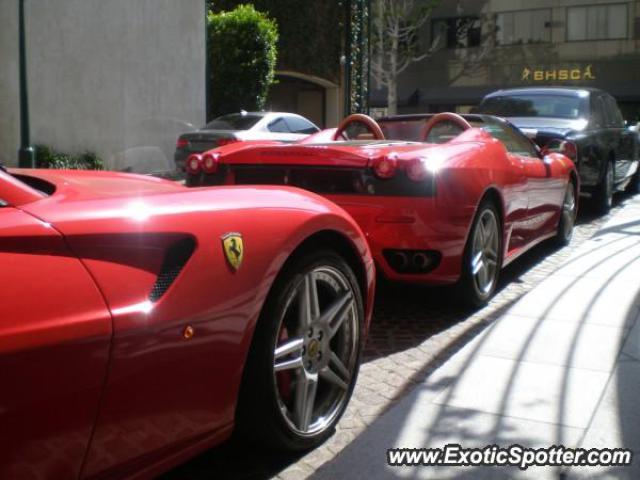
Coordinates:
545 194
606 144
542 192
55 332
623 142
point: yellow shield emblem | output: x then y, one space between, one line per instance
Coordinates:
233 249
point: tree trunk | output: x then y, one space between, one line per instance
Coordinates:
392 83
392 96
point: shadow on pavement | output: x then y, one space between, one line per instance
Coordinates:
404 317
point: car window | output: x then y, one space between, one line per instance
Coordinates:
535 105
598 119
301 125
233 121
614 117
514 141
279 126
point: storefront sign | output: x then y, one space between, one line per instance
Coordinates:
557 74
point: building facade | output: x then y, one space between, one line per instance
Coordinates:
121 78
483 45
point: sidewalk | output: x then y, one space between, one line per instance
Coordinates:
559 367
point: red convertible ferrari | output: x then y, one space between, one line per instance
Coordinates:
141 321
442 199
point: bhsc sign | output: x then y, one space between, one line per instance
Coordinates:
561 74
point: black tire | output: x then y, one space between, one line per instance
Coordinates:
634 184
567 216
260 418
603 196
468 289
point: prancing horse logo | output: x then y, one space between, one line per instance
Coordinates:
233 249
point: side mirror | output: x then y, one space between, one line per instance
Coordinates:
565 147
554 146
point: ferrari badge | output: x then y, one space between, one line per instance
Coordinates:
233 249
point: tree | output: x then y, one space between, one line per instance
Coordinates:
242 55
395 41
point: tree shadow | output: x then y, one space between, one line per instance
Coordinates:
404 316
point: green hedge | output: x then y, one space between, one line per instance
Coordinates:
46 157
242 57
310 33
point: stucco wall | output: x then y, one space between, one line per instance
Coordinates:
9 112
109 76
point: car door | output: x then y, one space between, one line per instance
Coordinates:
605 144
544 192
55 332
622 140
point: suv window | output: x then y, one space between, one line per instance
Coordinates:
614 117
279 126
300 125
534 105
598 119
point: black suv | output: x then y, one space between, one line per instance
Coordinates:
583 123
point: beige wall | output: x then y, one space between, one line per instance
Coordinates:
9 109
108 76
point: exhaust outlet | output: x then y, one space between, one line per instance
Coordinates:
400 260
420 261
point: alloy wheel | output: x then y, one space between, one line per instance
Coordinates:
315 354
484 253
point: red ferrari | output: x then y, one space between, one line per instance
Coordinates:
141 321
442 199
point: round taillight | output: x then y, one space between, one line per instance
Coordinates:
385 167
416 169
210 162
569 149
194 164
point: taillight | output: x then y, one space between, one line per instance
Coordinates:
569 149
416 169
194 164
182 143
385 167
210 162
221 142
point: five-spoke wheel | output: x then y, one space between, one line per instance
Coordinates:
482 258
316 350
305 354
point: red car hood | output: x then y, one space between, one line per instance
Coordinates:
109 201
91 184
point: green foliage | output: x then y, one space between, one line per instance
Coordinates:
242 58
310 33
46 157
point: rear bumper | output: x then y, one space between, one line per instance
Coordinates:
413 225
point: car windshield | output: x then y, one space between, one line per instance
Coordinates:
410 129
233 121
535 105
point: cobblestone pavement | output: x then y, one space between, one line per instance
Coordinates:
413 331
